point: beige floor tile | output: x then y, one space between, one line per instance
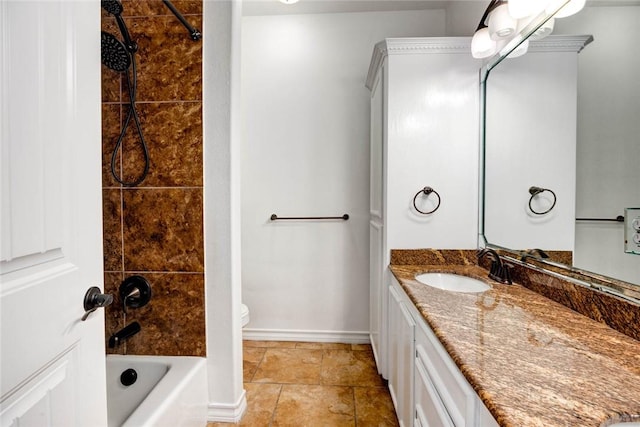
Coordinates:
361 347
313 384
261 404
270 344
289 366
350 368
374 407
324 345
251 358
315 406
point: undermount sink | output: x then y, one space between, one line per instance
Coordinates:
452 282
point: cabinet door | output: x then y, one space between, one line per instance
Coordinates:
430 411
375 290
401 340
394 318
406 349
376 147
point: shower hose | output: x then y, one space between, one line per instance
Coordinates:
132 87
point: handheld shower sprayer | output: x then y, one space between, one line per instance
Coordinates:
114 53
120 57
114 7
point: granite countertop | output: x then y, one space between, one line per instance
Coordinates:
532 361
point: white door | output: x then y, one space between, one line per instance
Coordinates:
52 364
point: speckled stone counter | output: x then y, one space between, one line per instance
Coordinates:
532 361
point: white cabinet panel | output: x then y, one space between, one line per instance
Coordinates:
401 337
430 411
377 132
375 289
456 394
424 132
439 394
405 365
394 317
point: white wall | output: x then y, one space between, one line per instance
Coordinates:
221 86
306 152
608 143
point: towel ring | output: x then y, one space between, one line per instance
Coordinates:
534 191
426 191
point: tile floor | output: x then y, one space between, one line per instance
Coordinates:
313 384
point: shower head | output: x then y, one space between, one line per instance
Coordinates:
114 53
114 7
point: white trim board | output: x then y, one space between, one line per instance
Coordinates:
361 337
227 413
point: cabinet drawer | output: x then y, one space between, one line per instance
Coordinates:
456 394
429 410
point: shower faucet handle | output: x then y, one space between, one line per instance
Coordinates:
94 299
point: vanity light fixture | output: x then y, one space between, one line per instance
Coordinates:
523 8
571 8
520 50
501 24
482 45
544 30
503 20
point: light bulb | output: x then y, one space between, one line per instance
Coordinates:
574 6
289 1
520 50
544 30
501 24
482 46
519 9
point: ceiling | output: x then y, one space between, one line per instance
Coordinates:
274 7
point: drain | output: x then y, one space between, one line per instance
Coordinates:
128 377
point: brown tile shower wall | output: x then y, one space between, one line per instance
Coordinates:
156 229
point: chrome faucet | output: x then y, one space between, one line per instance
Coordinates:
498 271
533 253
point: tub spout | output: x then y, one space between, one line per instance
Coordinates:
123 334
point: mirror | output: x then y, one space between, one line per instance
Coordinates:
578 138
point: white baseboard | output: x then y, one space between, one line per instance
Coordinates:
305 336
227 413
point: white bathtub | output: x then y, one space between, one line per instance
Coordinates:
169 391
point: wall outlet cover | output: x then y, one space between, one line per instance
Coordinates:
632 230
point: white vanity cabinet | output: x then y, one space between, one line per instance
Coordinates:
401 348
426 386
424 132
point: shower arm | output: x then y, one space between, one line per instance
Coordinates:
194 32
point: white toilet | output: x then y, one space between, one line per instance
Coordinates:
244 311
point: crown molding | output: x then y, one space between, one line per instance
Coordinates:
413 45
435 45
561 43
